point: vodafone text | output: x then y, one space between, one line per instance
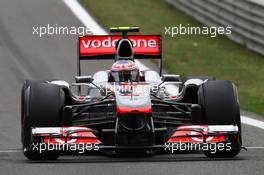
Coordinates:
109 43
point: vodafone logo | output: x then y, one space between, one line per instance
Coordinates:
110 43
99 45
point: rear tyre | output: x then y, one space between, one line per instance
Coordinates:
41 106
219 104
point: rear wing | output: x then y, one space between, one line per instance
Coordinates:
103 47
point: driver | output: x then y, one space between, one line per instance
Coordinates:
124 71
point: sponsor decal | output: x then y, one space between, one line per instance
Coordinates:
92 45
109 42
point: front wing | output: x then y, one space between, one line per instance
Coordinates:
195 134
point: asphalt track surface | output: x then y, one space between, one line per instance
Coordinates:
27 56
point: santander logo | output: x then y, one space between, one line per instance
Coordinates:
110 43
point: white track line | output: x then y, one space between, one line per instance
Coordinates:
19 151
85 17
95 28
10 151
252 122
255 147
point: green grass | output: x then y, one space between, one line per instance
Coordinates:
189 54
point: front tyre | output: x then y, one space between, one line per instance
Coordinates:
219 104
41 106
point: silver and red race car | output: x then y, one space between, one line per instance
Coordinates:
128 108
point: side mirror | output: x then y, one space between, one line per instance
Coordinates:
83 79
170 78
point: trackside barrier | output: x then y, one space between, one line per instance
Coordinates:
245 17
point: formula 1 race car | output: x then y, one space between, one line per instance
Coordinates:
128 108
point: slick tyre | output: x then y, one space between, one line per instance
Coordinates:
219 104
41 106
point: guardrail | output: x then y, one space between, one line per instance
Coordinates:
245 17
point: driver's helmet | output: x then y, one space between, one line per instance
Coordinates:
124 71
